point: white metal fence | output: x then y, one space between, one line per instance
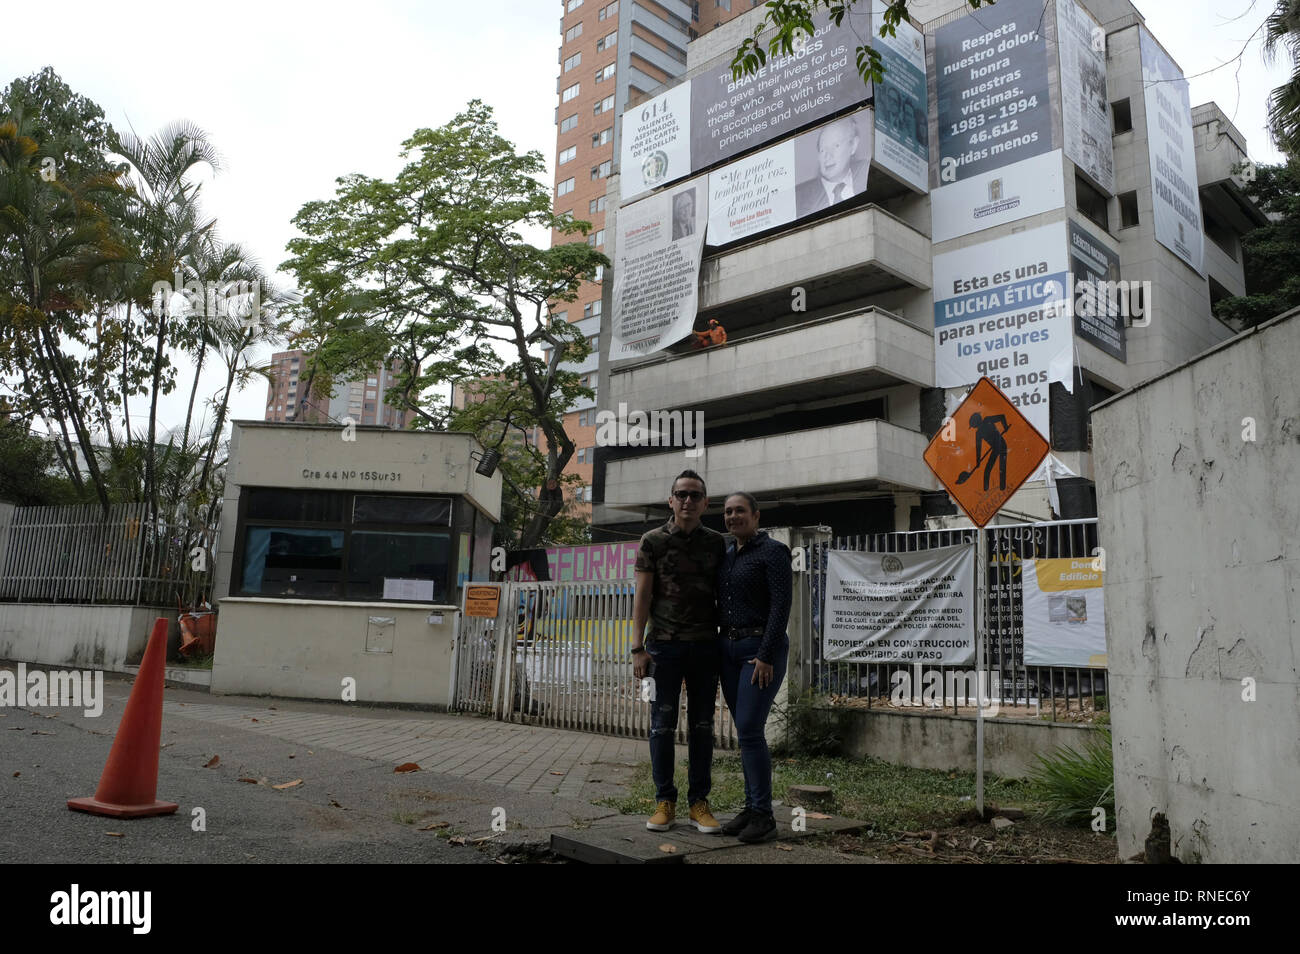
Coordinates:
558 654
79 554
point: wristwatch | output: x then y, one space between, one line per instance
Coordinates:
638 649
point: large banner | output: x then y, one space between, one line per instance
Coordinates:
993 94
1098 317
901 607
819 78
998 196
813 171
1082 48
1172 152
1000 309
658 243
655 146
902 105
1065 619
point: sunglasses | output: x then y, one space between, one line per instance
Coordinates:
685 495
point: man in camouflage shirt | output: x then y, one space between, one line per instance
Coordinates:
676 586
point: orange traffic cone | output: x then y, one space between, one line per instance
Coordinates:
128 787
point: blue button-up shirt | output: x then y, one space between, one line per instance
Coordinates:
755 588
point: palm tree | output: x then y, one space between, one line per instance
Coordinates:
1282 28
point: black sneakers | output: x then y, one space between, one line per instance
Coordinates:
739 823
760 828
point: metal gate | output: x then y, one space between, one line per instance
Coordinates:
558 654
1002 603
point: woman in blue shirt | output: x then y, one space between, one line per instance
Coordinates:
754 592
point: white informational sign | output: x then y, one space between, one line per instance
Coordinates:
398 589
1065 619
1082 47
915 606
1174 191
819 169
902 104
655 142
1000 195
658 243
1001 310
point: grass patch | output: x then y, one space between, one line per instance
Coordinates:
197 662
1071 783
893 798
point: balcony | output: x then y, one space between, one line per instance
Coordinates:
826 358
820 461
864 252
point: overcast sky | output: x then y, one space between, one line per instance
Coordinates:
295 94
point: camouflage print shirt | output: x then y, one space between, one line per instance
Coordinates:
685 565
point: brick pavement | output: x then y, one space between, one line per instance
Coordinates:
520 757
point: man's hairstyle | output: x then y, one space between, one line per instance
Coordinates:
844 122
749 499
689 475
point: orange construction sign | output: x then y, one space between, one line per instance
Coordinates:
985 451
482 600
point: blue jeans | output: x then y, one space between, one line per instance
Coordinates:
749 707
697 663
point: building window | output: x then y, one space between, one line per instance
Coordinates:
1091 202
600 273
585 418
560 316
591 309
602 137
568 155
572 33
602 170
373 382
606 73
569 122
1123 116
1128 210
596 205
570 93
572 61
593 342
604 106
574 4
565 187
605 42
596 239
608 11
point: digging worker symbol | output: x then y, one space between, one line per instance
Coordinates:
986 432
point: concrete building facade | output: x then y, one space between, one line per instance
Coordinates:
361 400
824 412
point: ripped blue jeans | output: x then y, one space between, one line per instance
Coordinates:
697 663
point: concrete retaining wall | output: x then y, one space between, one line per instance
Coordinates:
947 742
304 649
76 635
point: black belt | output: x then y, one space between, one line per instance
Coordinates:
743 632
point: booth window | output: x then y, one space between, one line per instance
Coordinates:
320 544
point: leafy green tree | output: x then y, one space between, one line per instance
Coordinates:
788 19
433 269
26 462
1270 253
1282 29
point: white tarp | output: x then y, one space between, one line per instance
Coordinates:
997 196
1065 619
655 142
901 607
902 104
658 243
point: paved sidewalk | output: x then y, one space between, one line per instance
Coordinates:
540 760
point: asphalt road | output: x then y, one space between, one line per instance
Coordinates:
347 809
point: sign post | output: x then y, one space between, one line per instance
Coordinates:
986 430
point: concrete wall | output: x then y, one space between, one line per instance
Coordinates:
100 637
1201 529
947 742
304 649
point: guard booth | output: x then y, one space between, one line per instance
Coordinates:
343 556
